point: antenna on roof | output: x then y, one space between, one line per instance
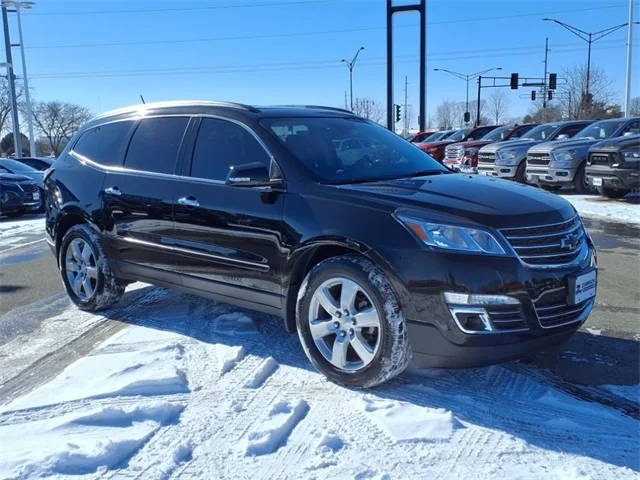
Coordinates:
142 98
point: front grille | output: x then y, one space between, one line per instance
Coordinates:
559 314
534 158
486 157
506 318
598 159
453 153
554 244
29 187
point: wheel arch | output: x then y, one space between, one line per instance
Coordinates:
68 218
307 256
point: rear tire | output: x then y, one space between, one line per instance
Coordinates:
359 336
612 192
85 271
521 173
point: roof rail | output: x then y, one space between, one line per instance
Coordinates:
322 107
177 103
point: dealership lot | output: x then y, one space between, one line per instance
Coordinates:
184 386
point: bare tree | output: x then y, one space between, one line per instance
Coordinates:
369 109
445 115
58 121
634 106
572 95
498 105
5 104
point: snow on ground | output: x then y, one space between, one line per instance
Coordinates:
15 232
194 389
626 210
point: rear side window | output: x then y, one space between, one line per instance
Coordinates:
155 144
221 144
104 144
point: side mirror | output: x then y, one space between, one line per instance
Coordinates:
562 136
254 174
628 134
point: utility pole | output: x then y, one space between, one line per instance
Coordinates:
350 65
627 88
406 117
545 89
346 104
27 96
17 140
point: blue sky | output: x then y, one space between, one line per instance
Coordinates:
288 51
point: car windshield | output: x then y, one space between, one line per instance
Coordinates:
497 134
433 137
14 166
599 130
459 134
350 150
541 132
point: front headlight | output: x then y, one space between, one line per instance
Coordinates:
631 155
452 237
564 158
507 157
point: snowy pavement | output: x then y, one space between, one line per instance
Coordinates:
625 210
193 389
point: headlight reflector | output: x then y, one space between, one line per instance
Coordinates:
507 156
451 237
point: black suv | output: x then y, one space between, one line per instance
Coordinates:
371 258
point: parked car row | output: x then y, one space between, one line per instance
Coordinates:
582 154
21 185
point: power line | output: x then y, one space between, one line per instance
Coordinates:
312 65
184 9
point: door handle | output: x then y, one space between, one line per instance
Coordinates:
112 191
189 202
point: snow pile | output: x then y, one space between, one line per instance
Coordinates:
625 210
15 231
80 443
404 421
274 431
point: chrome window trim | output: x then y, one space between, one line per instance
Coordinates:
194 252
124 170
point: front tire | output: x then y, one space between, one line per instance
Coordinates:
350 323
85 271
580 184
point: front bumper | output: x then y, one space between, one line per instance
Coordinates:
620 178
500 171
437 339
549 175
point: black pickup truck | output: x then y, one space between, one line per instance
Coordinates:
613 166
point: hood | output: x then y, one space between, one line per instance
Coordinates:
564 144
469 199
515 144
13 177
616 143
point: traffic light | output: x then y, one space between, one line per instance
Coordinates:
533 94
397 113
553 81
550 95
514 81
467 117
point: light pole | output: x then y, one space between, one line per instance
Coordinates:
350 65
588 37
627 89
466 77
17 5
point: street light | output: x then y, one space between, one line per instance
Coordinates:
350 65
466 78
588 37
18 5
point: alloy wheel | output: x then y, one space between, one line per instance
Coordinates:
344 324
81 268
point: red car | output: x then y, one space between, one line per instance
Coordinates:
463 156
420 136
436 149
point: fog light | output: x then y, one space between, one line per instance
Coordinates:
471 319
